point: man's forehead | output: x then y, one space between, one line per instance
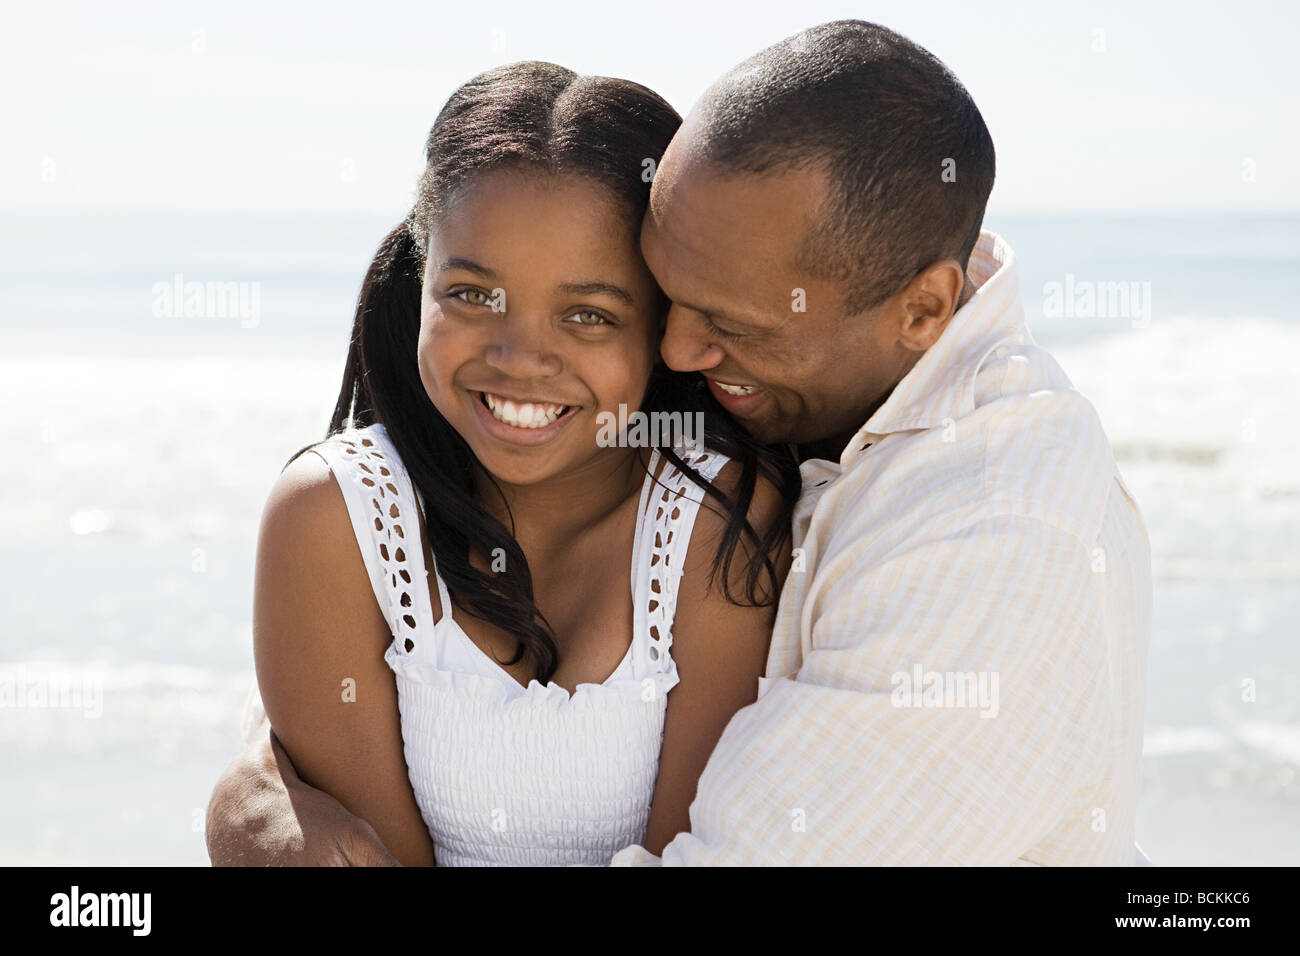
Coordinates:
687 143
685 155
707 281
706 224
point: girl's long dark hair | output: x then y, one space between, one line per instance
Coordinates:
530 115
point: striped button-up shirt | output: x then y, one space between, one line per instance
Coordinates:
957 668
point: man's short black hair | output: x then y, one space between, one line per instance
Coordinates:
909 158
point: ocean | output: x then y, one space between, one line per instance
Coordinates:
159 370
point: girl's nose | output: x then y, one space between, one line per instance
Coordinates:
521 350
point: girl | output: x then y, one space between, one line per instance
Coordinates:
492 636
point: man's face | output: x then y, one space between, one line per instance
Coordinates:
773 342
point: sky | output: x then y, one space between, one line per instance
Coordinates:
323 108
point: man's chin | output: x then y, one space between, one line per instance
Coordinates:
809 437
773 429
768 431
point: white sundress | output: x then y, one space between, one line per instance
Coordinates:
503 774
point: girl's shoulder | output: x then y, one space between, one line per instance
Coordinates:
307 531
329 487
380 506
709 521
367 464
703 460
360 444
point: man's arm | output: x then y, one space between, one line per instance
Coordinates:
262 814
845 762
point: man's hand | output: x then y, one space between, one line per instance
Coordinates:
262 814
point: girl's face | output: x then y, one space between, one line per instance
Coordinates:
538 314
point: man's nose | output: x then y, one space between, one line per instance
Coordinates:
521 349
685 348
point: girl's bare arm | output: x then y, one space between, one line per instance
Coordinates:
319 639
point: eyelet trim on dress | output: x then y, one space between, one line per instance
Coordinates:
676 499
384 484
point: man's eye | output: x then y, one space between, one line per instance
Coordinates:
473 296
590 319
720 333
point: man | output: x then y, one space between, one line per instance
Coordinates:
956 673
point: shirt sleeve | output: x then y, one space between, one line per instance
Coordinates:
951 709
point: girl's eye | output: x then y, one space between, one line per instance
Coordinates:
590 319
473 296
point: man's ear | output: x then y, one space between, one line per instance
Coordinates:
929 302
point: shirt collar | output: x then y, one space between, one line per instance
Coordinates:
941 385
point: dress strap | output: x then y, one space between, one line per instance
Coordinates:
381 505
669 504
444 596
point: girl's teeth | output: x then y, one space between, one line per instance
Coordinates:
736 389
525 414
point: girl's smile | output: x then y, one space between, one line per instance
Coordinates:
522 423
